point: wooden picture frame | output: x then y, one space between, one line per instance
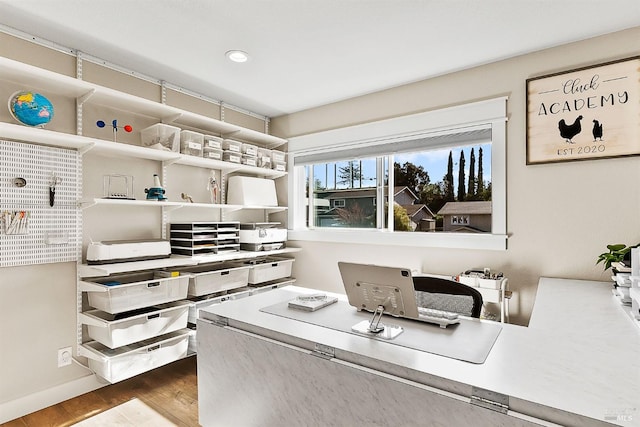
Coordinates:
586 113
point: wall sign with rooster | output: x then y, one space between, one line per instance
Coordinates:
586 113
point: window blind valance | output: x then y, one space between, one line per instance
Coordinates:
396 145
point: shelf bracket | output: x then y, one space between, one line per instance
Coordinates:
169 162
86 148
90 287
85 204
171 119
226 134
88 320
83 98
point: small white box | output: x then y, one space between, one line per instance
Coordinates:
212 153
211 141
191 143
113 331
231 156
279 166
125 362
249 161
264 158
245 190
249 150
490 283
126 292
270 268
468 280
231 145
161 137
209 279
278 156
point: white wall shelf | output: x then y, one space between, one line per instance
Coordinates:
103 270
33 77
84 144
90 202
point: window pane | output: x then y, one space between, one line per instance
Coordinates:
344 194
443 190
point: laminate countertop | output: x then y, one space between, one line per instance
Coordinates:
578 362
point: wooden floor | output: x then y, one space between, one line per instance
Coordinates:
170 390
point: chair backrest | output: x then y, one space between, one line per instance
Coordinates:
447 295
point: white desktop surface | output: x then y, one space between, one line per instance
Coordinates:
580 355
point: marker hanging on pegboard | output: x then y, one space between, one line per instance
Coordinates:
114 124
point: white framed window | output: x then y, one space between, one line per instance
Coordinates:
360 157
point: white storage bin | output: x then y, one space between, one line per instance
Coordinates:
127 292
250 191
278 156
212 153
197 304
161 137
264 158
231 145
489 283
212 278
249 150
115 330
279 166
125 362
249 161
231 156
191 143
469 280
270 268
211 141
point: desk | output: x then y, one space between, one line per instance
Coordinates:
255 368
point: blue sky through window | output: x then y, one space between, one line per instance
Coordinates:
433 161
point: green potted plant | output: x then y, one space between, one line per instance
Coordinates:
616 253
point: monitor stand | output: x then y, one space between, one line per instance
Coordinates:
374 327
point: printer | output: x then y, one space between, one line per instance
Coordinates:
114 251
262 236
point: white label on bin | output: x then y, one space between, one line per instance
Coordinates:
195 145
213 155
213 144
235 159
234 147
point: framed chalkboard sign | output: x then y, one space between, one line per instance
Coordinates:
586 113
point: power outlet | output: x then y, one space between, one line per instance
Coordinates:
64 356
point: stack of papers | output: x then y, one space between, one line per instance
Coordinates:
311 302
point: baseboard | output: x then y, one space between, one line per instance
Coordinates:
39 400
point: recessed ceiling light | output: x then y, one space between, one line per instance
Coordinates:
237 56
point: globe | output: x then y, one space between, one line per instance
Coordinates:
31 109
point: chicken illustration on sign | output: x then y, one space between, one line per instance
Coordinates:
597 131
569 131
567 113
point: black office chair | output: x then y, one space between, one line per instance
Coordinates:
447 295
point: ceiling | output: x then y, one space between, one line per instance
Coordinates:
307 53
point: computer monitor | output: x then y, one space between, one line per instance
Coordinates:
381 290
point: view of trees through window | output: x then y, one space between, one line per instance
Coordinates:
431 189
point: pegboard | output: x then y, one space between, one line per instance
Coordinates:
50 233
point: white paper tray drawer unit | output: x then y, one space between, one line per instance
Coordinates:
269 268
116 330
125 362
211 278
127 292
